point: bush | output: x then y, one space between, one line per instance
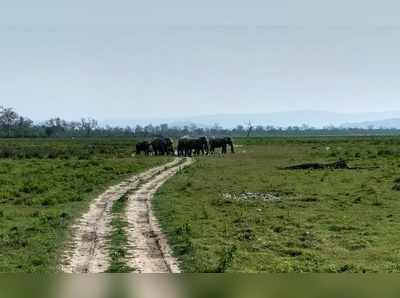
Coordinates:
396 187
226 259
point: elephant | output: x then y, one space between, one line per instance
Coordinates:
183 146
163 146
221 143
170 146
202 145
187 146
144 147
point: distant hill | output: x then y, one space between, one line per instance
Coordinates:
386 123
317 119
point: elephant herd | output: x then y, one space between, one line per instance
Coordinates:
187 146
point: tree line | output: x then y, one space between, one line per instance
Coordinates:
13 125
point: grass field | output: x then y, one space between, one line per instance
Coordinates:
242 212
45 184
231 213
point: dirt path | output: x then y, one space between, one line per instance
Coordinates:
87 251
148 250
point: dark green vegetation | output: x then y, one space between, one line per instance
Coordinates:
13 125
118 238
82 149
45 184
221 216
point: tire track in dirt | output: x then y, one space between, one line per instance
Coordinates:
148 249
87 251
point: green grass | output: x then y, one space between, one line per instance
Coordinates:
118 238
40 197
325 220
67 148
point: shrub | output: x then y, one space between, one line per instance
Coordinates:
226 259
396 187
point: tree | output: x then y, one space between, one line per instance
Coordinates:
138 130
164 128
192 127
55 127
73 126
88 125
149 130
249 129
8 118
23 126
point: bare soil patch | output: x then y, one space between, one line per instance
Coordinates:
87 252
148 247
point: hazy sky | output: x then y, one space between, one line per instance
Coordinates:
124 59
